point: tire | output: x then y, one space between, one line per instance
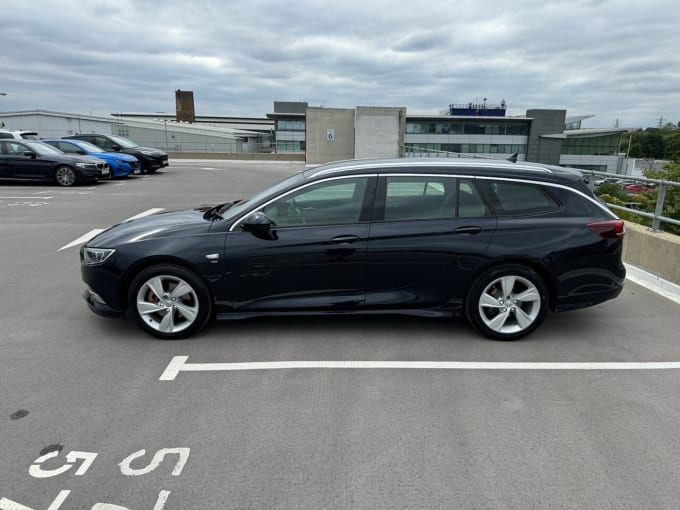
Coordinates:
507 302
162 310
65 176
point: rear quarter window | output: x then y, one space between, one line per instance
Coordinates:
519 198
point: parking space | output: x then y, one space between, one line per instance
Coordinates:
331 412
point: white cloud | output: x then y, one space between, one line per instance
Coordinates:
614 59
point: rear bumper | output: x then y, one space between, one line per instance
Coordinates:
586 299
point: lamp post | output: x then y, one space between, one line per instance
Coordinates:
165 128
2 124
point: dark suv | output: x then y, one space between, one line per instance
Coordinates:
150 159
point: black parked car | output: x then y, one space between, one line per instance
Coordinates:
150 159
37 161
497 242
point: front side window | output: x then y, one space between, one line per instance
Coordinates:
103 143
331 202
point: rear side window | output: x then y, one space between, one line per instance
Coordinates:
516 198
431 198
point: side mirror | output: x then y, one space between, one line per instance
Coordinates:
257 222
260 226
115 148
81 152
29 154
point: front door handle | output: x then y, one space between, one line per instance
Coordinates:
468 231
348 239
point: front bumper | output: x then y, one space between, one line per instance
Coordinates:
155 162
98 305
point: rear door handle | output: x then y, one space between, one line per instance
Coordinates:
348 239
468 231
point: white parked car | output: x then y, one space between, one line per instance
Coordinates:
6 134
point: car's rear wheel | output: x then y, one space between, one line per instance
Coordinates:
169 301
507 302
65 176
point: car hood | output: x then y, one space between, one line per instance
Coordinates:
167 224
80 159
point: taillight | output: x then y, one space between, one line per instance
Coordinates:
612 229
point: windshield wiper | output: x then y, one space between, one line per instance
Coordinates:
214 212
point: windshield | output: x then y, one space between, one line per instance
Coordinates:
42 148
262 196
124 142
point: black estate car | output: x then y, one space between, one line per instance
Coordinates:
37 161
495 241
150 159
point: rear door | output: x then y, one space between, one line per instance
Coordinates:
428 235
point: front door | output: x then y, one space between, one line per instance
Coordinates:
22 166
314 256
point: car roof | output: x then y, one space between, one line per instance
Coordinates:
471 166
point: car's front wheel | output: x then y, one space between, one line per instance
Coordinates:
507 302
169 301
65 176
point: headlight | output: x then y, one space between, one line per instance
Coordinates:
150 153
87 165
96 256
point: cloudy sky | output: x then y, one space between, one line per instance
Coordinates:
617 59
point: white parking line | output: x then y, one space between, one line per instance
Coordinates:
653 282
148 212
26 198
179 364
83 239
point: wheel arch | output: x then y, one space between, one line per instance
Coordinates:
532 264
77 176
128 277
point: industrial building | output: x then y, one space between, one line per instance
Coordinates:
542 136
329 134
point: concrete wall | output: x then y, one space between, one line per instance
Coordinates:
545 122
657 253
379 132
322 121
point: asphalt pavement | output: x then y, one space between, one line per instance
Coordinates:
87 420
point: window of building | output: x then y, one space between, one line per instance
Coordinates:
607 145
290 125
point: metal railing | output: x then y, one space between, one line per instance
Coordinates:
657 216
209 146
411 151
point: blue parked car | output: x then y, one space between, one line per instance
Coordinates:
120 164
